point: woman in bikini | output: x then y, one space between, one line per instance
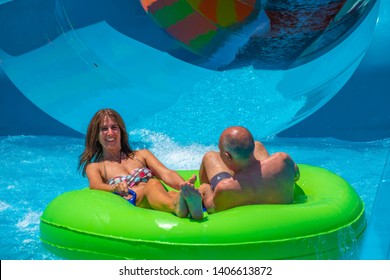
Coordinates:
111 165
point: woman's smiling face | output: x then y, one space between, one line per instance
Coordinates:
110 134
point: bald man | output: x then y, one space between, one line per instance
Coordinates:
243 173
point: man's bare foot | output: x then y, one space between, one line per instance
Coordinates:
193 200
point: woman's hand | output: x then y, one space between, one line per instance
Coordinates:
120 188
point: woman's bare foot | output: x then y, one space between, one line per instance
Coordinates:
192 180
181 208
194 201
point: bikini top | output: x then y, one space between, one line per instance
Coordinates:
138 175
135 177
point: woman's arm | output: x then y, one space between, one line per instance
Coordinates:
96 181
168 176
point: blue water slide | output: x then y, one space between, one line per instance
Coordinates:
70 58
359 112
61 60
376 241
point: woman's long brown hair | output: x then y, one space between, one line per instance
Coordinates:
93 149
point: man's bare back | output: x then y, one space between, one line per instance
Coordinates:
231 179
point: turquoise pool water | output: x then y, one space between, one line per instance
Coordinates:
36 169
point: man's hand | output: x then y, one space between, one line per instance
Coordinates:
208 197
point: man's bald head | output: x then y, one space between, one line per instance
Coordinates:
238 141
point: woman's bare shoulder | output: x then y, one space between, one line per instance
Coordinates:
93 167
144 153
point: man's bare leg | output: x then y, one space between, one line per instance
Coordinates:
211 165
260 151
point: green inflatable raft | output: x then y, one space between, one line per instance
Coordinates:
323 222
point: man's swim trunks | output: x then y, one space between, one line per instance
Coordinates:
218 178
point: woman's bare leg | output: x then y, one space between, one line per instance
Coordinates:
194 201
154 196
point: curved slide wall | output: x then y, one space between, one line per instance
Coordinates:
357 112
360 110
